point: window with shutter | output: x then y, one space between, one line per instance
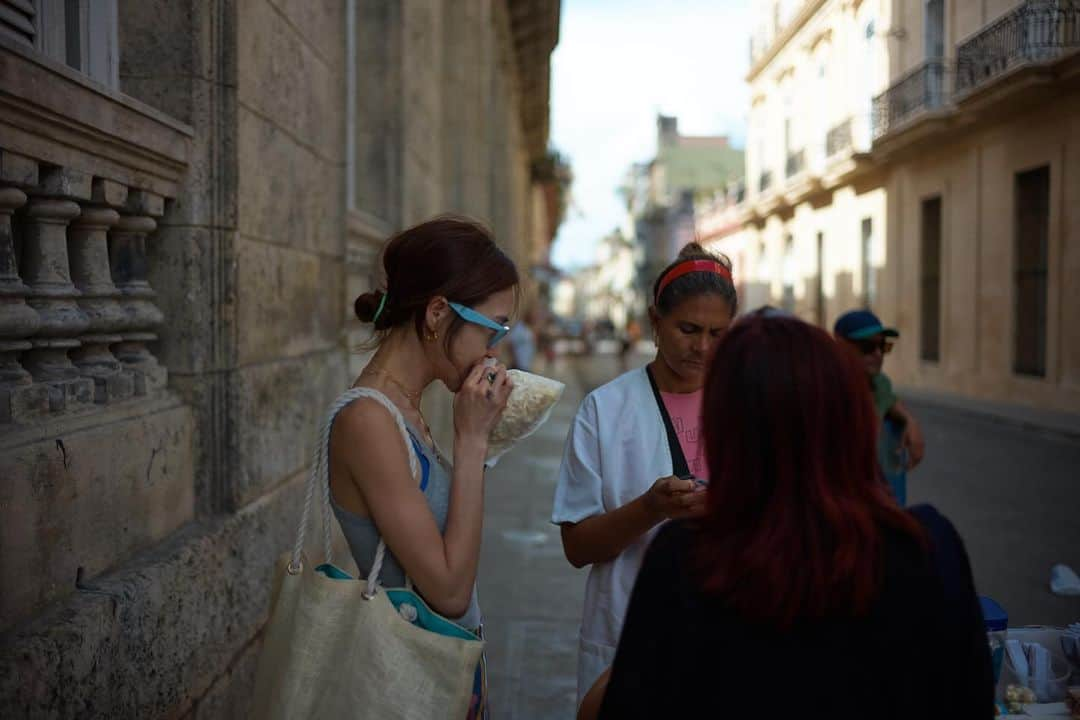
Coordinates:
930 280
869 286
17 21
82 34
1031 269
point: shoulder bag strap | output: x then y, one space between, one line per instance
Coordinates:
320 474
679 467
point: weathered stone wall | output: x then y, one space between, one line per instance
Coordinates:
85 177
171 635
290 235
72 511
139 539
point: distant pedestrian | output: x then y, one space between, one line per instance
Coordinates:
546 332
631 338
863 332
801 589
634 450
521 342
588 338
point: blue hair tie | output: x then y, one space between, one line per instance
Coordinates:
382 304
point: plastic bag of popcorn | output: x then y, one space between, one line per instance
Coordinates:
528 407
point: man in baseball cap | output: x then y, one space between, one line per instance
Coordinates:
863 332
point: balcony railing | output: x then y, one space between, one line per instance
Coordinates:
796 163
924 89
1036 31
764 180
838 139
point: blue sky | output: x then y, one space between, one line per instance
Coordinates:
618 63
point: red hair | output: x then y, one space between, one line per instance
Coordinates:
797 503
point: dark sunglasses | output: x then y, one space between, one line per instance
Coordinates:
870 345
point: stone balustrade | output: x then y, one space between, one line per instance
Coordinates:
77 311
18 320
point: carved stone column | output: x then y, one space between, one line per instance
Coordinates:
142 318
48 273
88 248
17 319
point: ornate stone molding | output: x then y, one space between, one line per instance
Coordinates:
762 61
50 112
534 29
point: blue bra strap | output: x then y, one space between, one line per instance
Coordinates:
425 465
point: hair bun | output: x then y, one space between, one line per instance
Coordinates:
692 250
367 304
695 251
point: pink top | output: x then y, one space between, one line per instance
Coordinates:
685 412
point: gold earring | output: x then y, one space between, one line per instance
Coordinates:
432 336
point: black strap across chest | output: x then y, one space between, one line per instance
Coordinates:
679 467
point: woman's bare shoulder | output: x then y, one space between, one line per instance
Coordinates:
366 445
366 427
364 413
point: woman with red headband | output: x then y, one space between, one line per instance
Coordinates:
633 458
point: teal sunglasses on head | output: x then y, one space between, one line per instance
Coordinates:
470 315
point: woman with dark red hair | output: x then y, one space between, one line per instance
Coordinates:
804 590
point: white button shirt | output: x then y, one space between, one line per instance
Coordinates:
616 450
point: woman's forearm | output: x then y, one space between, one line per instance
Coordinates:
602 537
464 523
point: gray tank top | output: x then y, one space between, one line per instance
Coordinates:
363 537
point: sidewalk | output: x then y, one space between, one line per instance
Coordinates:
1029 418
531 596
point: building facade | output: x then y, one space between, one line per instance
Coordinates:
719 228
910 156
608 287
661 194
191 195
815 212
980 132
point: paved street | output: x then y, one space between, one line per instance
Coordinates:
1011 492
1014 495
531 596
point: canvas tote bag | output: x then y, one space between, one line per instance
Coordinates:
337 647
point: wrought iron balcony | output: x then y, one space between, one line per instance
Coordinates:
923 89
1036 31
764 180
838 139
796 163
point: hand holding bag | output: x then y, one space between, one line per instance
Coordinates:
336 647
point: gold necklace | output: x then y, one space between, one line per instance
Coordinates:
413 396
